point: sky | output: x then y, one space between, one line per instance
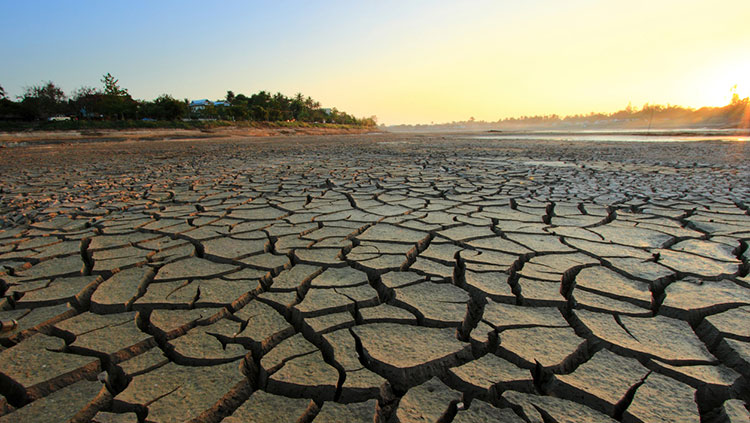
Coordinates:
403 61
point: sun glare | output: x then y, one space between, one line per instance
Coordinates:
721 84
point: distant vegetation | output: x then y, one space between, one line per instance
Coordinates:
734 115
46 106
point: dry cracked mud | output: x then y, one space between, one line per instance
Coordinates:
388 278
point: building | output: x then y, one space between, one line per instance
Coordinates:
198 105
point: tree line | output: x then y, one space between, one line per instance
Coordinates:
47 101
736 114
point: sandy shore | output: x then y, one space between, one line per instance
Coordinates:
374 277
12 139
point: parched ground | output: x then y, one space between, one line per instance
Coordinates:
404 278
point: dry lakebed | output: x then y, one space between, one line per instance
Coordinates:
375 277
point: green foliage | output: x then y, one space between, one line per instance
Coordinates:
44 101
113 102
165 107
111 87
3 96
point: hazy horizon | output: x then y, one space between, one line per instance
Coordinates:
419 62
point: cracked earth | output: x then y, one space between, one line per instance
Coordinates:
387 278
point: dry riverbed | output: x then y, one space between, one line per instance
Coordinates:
375 277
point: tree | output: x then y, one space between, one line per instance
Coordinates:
10 110
230 96
111 87
44 101
87 102
165 107
116 102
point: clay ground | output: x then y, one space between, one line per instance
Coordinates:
380 277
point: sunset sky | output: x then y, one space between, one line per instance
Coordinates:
404 61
